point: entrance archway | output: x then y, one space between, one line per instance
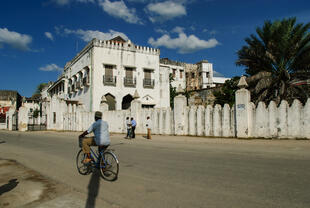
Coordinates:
111 101
126 103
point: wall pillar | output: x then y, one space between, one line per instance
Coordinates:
10 118
179 114
136 107
23 119
243 110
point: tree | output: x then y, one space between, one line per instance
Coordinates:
274 57
39 89
227 93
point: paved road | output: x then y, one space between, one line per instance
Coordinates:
176 171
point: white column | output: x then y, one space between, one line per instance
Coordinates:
23 119
243 115
179 114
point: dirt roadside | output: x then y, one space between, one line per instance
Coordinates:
23 187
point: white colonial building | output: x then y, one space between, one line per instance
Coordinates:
115 69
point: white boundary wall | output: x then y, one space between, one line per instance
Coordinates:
244 120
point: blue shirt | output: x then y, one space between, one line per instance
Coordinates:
133 123
101 132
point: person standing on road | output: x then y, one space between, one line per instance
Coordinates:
128 126
101 138
148 125
133 128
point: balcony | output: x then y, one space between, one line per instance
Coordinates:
86 81
78 85
69 90
130 82
73 88
148 83
109 80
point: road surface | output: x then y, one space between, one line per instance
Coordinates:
170 171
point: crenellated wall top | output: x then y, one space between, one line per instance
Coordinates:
126 46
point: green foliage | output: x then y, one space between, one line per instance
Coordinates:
40 87
36 113
227 93
281 48
173 91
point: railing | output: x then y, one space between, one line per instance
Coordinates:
130 82
148 83
109 80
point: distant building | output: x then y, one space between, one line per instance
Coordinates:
197 76
8 99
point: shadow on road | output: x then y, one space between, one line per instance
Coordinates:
1 142
9 186
93 189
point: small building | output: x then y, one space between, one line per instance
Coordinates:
9 99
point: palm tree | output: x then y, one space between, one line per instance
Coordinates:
274 58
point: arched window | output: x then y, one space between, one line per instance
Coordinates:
126 103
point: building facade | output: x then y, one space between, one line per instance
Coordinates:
113 70
197 76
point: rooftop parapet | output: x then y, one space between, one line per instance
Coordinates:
128 46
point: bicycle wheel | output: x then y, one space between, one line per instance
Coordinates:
109 166
82 168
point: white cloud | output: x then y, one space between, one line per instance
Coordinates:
183 43
61 2
166 10
119 9
49 35
178 29
88 35
86 1
50 67
161 31
67 2
15 39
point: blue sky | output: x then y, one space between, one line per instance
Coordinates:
38 37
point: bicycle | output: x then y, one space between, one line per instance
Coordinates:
105 160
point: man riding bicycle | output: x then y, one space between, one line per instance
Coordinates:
101 138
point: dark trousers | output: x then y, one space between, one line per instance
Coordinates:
133 135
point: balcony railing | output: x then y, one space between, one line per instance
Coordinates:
69 90
148 83
109 80
130 82
86 81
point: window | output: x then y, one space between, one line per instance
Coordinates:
193 75
108 70
181 74
174 72
129 72
147 74
207 74
54 117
